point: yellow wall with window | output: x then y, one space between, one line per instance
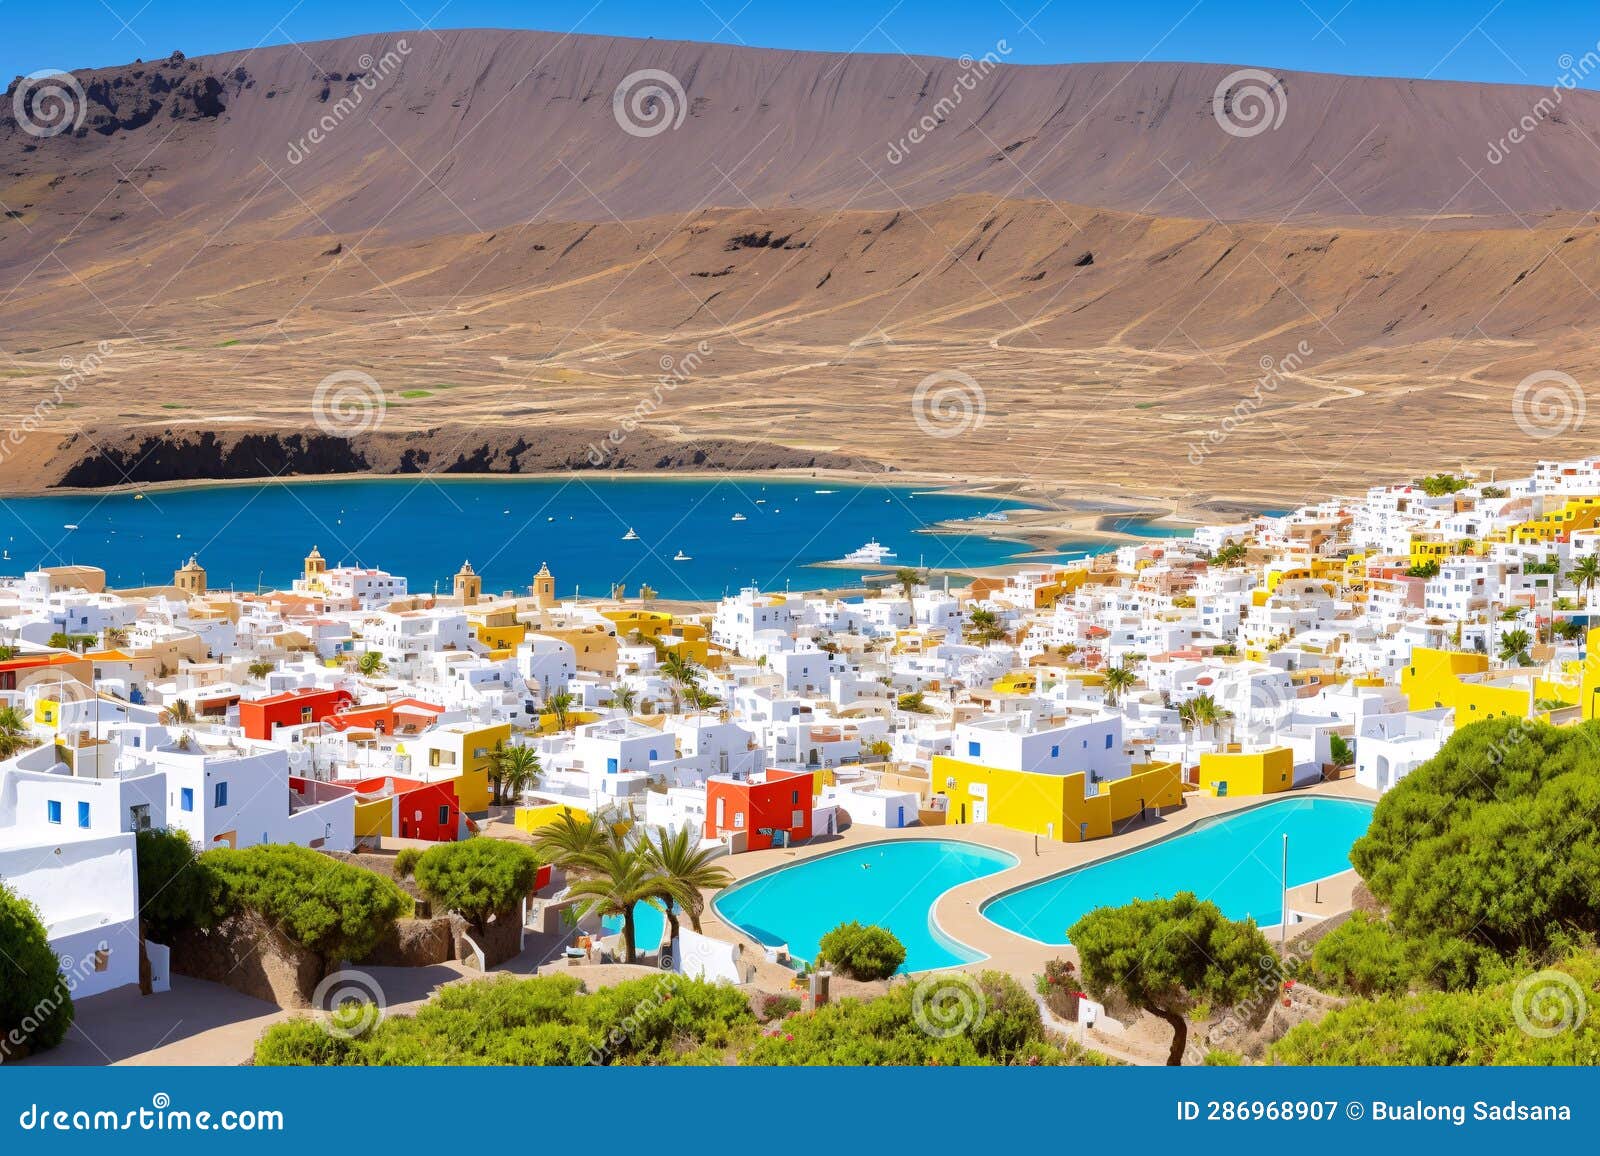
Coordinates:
1235 773
1052 805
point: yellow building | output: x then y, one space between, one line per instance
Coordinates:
1435 678
462 751
1055 806
496 626
1230 774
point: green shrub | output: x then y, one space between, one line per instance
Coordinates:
1363 956
1216 1058
862 952
177 891
477 878
776 1007
334 909
405 862
535 1022
952 1019
1484 1027
35 1000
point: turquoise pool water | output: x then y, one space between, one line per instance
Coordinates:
649 925
1235 862
892 885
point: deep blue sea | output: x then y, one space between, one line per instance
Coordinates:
425 528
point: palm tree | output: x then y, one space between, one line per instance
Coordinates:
371 663
618 879
572 840
624 697
685 872
681 673
179 712
1119 680
114 637
1514 648
559 704
908 577
513 771
1585 575
14 735
701 699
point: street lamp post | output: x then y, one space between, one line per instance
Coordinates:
1283 926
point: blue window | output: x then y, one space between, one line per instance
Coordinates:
653 755
1055 752
52 810
1108 742
186 798
611 766
974 750
221 795
83 814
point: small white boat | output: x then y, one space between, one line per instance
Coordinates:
761 501
737 518
680 556
70 526
630 536
872 554
824 491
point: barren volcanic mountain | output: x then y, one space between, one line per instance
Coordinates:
492 251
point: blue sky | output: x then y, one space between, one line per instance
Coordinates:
1513 41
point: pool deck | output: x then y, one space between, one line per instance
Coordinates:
957 910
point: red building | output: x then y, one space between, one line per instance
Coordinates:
260 717
403 716
772 808
410 809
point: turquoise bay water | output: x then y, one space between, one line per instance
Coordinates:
892 885
1236 862
425 528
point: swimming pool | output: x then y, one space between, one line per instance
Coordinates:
892 885
649 925
1235 861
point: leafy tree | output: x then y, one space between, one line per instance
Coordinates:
405 862
1438 485
61 640
177 891
337 910
913 703
261 669
1482 1027
1118 681
686 873
35 1000
1495 840
983 626
513 770
1165 955
1340 752
863 951
1233 554
1428 569
477 878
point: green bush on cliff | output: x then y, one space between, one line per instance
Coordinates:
35 1000
337 910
